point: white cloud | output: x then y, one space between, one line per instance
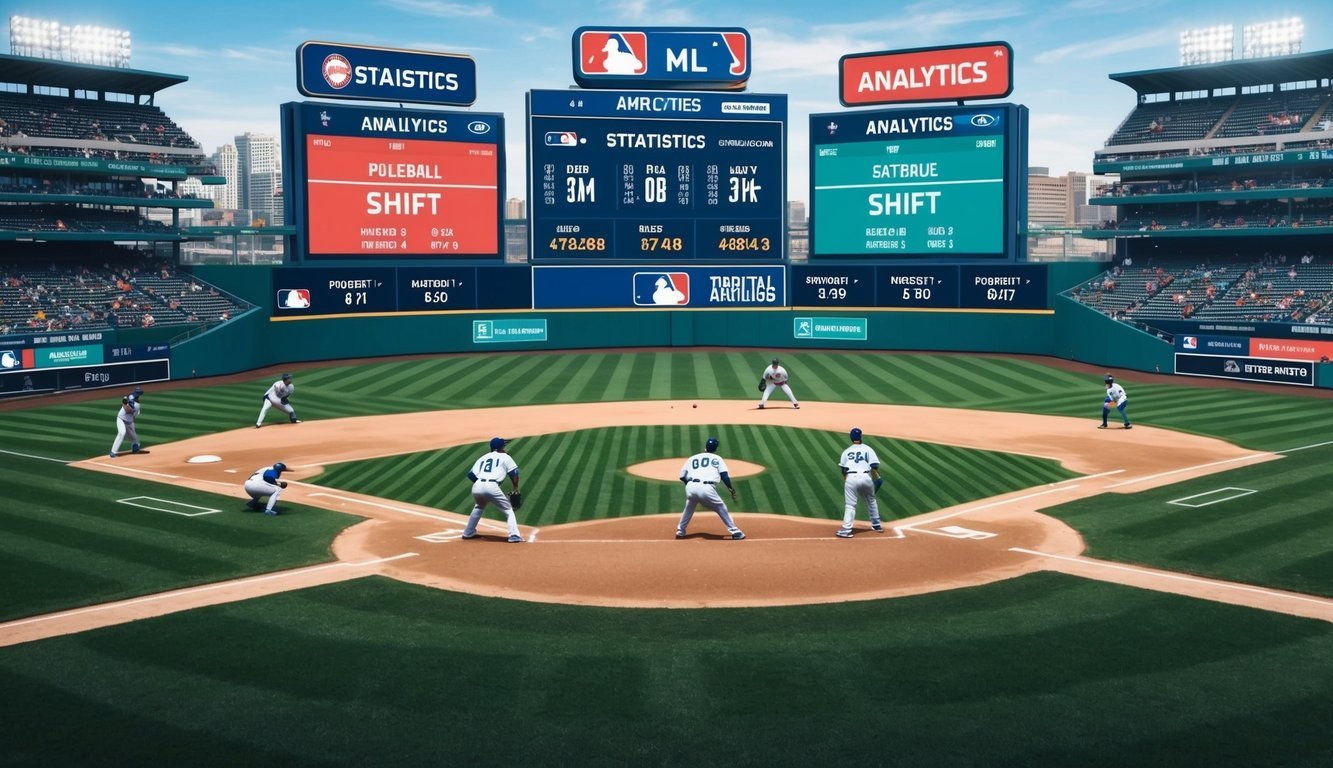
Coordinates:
1108 46
658 13
442 10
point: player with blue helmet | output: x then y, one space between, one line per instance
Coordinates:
860 480
487 474
701 474
266 481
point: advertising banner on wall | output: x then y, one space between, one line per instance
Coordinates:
1266 370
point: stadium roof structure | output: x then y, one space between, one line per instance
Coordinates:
1297 67
33 71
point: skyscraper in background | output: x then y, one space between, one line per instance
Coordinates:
226 196
259 176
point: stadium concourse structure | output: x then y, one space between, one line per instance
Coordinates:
90 200
1222 205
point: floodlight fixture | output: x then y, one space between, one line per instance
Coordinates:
1208 45
1280 37
82 43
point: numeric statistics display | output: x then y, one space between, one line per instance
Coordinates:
651 175
943 182
396 183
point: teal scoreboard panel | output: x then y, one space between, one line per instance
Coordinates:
938 183
668 176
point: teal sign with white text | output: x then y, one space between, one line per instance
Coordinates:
844 328
502 331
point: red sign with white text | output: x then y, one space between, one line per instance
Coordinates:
371 196
1292 349
951 73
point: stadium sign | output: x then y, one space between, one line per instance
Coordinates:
367 73
661 57
89 165
942 73
1242 368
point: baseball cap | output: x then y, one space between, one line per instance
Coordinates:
1109 378
286 376
855 433
497 443
279 466
775 361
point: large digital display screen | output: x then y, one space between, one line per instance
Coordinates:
942 182
644 175
396 183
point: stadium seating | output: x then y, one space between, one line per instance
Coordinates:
131 294
1169 121
1268 114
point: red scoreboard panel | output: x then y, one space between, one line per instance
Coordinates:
396 183
395 196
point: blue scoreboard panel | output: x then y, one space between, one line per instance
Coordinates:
657 176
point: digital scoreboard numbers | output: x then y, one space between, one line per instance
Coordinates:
1004 287
396 183
917 183
656 176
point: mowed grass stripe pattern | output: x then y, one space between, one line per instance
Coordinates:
65 541
1123 677
582 475
1278 536
1261 420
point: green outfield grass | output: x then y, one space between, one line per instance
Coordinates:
1263 420
1278 536
1046 670
66 541
801 477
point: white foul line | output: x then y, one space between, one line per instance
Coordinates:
30 456
928 521
1190 469
1306 447
1087 477
392 508
1177 577
205 588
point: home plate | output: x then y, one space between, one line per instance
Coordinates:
207 458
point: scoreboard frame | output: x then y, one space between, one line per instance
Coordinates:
754 234
832 128
302 120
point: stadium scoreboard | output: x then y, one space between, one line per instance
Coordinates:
986 286
397 183
672 176
921 183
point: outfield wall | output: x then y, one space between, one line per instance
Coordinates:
1069 331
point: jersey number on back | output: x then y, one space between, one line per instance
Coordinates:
487 465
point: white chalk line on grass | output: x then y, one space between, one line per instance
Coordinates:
1306 447
39 458
206 588
969 510
392 508
1087 477
1233 459
1178 577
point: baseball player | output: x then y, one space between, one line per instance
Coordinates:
266 481
701 474
1115 396
486 475
276 397
860 480
773 377
129 410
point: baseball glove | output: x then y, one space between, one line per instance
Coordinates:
761 385
516 500
283 401
282 483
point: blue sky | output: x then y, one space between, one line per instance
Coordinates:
239 55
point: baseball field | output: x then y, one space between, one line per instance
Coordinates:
1047 593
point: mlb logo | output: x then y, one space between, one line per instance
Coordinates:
613 53
562 139
1191 342
294 298
659 289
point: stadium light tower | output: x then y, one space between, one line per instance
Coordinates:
1272 38
1208 45
83 43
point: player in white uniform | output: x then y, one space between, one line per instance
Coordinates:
129 410
1115 397
276 397
266 481
774 377
701 474
860 480
486 475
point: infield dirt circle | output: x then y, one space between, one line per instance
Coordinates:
636 561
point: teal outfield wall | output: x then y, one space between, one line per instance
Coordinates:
252 340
